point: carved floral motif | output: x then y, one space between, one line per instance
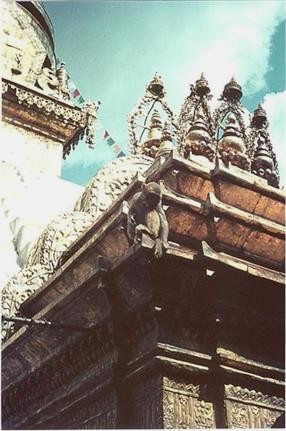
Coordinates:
250 409
251 396
18 289
183 408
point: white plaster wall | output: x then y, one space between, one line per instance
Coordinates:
29 151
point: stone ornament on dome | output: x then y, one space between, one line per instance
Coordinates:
230 104
264 161
231 147
232 91
156 87
152 143
166 144
155 95
198 140
197 101
202 86
259 118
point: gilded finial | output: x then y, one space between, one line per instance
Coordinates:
156 86
232 91
202 86
259 118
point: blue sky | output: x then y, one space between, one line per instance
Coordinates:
113 48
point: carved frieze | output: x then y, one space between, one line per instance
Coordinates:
251 396
62 121
183 407
251 409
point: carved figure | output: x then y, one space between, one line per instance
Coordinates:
146 214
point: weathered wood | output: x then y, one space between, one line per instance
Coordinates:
242 265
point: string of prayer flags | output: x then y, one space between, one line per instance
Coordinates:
111 143
75 93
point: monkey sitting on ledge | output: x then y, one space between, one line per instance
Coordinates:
146 214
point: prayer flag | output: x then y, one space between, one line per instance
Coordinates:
81 99
110 141
116 148
75 93
106 134
121 154
71 85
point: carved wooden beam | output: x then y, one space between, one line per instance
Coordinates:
215 206
241 264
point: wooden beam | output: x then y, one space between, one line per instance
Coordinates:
242 265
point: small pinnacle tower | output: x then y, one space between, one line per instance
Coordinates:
198 140
151 145
166 145
231 146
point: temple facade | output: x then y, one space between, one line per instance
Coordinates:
153 297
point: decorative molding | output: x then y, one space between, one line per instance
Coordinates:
183 409
90 355
241 415
252 397
18 290
78 121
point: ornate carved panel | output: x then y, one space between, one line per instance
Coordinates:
250 409
183 407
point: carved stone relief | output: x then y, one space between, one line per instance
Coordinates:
183 408
250 409
18 289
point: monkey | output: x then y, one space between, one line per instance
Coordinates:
146 214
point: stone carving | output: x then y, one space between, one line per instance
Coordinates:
251 396
196 109
109 183
231 147
151 145
48 81
198 140
83 119
57 238
166 142
250 409
182 407
146 214
230 103
241 415
264 162
18 289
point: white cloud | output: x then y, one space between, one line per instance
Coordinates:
233 38
275 106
